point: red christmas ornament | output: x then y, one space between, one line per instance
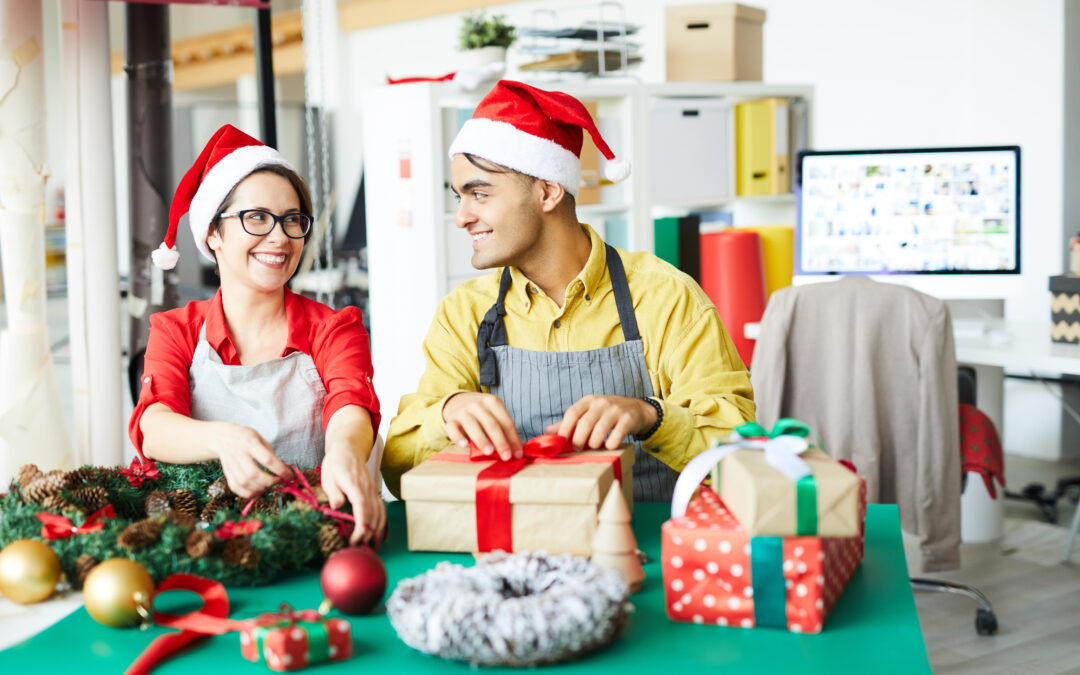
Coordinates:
354 580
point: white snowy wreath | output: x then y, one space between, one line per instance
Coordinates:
513 610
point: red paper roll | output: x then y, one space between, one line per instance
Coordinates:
733 276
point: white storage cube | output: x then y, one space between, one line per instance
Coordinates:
690 140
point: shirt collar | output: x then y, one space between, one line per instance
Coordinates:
591 276
217 333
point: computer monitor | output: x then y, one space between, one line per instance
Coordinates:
943 220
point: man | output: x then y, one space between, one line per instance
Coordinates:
569 336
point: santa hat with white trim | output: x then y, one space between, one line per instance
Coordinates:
229 156
534 132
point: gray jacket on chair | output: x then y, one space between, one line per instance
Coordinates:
872 368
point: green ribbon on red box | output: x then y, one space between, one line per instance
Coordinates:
494 518
309 620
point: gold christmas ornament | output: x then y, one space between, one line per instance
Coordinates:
115 590
29 571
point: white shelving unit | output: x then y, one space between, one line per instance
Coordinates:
415 253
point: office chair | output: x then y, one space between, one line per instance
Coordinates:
871 368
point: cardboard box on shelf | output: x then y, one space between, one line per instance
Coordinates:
714 42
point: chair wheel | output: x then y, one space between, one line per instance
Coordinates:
985 622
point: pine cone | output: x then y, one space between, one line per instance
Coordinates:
55 502
219 488
213 506
199 543
185 502
57 478
302 505
330 539
46 485
28 473
240 552
157 502
312 476
140 533
261 505
83 564
183 519
85 475
92 498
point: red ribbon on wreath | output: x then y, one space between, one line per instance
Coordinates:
54 526
494 519
233 529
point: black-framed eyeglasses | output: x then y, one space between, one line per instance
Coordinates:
260 223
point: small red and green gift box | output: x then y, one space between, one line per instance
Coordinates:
292 643
715 572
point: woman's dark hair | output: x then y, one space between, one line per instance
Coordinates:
295 179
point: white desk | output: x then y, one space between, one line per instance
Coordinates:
1021 347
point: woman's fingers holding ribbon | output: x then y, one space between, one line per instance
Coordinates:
243 454
484 420
345 477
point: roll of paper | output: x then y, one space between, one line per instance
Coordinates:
778 252
733 276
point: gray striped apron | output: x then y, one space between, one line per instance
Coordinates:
282 399
537 387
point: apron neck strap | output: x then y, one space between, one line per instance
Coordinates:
621 288
492 330
492 333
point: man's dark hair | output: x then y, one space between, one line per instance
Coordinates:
526 179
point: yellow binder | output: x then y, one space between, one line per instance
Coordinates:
761 147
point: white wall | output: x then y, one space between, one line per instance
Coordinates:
886 74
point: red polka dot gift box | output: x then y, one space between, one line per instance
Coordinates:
293 643
716 573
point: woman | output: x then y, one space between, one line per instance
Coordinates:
257 377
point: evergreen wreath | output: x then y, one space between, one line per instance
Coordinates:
169 518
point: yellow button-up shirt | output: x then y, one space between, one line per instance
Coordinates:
696 373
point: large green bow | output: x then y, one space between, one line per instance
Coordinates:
785 426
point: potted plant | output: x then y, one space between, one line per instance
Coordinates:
484 40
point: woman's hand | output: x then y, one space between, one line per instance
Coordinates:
345 477
243 454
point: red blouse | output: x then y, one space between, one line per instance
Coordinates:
336 341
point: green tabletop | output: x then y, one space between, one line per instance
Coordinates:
873 629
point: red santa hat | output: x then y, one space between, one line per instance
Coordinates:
229 156
534 132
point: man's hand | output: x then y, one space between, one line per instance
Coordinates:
482 419
596 422
243 454
344 476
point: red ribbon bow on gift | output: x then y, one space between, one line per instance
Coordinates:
139 471
493 509
287 613
55 526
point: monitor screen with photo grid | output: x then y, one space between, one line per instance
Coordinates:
931 211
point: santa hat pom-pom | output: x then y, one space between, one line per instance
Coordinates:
165 257
617 170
